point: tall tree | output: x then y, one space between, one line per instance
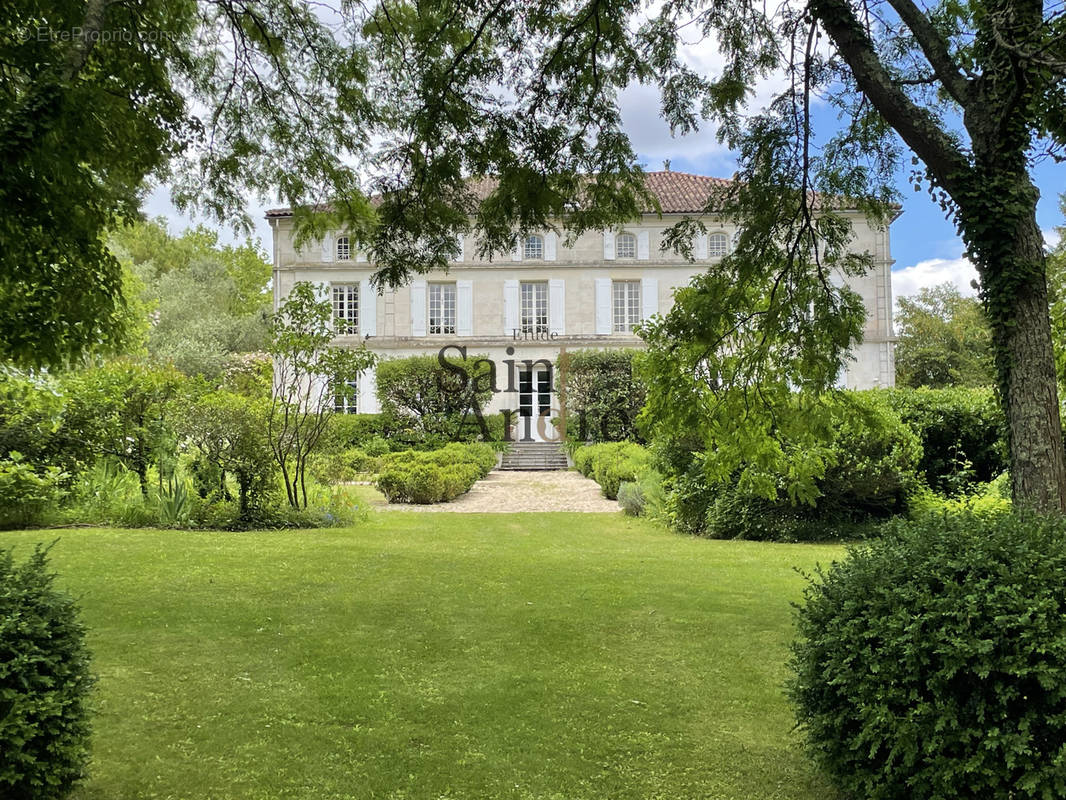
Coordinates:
100 96
943 340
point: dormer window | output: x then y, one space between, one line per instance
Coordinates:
344 248
717 245
533 247
626 245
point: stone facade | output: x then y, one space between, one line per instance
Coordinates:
577 286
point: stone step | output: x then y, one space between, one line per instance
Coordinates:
534 456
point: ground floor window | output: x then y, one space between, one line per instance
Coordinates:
345 397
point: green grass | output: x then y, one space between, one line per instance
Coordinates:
439 656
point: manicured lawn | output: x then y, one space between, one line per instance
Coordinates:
431 656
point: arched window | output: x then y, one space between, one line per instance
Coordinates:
717 245
533 247
625 246
344 248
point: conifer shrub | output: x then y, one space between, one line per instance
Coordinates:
44 684
932 662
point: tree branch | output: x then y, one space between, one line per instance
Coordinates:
936 50
918 128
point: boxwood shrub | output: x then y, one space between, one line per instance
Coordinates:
612 463
44 684
932 663
434 476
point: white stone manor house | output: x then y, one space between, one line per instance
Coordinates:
544 296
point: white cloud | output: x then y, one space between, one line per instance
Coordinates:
1051 237
932 272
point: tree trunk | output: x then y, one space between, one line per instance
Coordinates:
1038 462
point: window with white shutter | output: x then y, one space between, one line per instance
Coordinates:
345 307
625 306
442 304
533 307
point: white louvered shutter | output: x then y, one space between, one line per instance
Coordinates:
464 308
643 246
360 253
510 306
460 240
368 392
700 250
557 306
368 309
327 248
516 254
608 245
603 305
418 308
551 245
649 297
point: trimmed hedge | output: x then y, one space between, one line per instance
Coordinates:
435 476
377 434
932 663
962 433
612 463
603 395
44 684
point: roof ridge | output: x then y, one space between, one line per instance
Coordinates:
677 192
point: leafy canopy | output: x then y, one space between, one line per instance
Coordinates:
944 340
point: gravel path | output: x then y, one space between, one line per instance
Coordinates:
511 491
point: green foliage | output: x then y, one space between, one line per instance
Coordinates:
943 340
76 150
1056 285
612 463
124 410
434 476
209 301
631 498
306 369
342 467
983 500
230 432
26 495
930 661
962 433
420 395
44 683
603 396
866 470
32 423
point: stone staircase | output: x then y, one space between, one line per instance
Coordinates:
534 456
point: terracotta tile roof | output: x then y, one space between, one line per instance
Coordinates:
677 192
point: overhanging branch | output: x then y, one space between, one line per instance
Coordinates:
918 128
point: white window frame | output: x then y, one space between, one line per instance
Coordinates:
443 300
717 245
345 298
348 401
533 307
344 248
625 306
625 245
533 248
